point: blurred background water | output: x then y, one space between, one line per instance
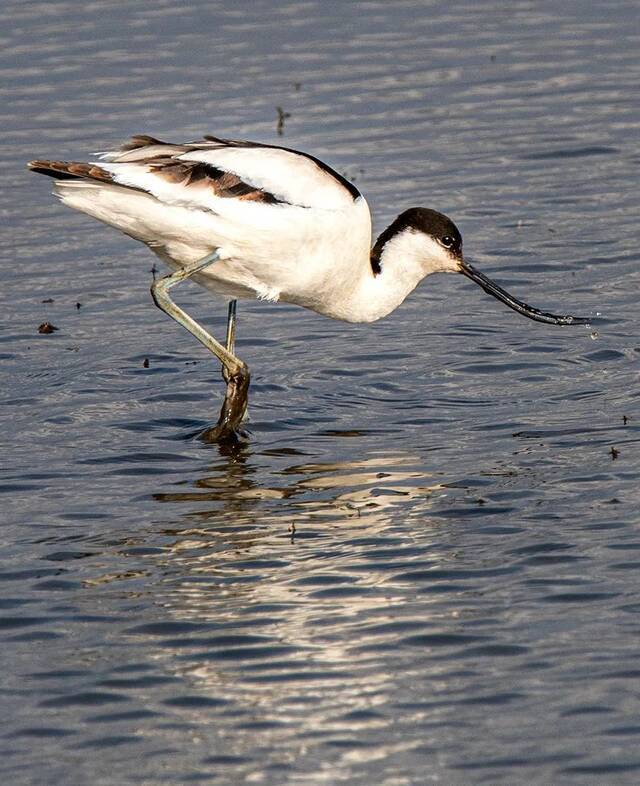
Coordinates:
423 565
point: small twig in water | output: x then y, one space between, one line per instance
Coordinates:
282 116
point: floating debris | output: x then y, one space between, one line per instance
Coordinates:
78 306
625 420
145 363
282 116
48 300
614 453
47 327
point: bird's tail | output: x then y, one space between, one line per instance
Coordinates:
173 231
71 170
92 190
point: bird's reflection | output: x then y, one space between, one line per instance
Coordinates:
277 591
289 551
239 497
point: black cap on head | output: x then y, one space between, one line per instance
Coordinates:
431 223
420 219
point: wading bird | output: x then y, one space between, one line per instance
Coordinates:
249 220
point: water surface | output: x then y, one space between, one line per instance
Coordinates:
422 566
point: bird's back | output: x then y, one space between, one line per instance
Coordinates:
287 225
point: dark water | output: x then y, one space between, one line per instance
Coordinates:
458 603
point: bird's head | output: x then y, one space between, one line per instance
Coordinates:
432 241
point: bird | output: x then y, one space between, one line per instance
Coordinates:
251 220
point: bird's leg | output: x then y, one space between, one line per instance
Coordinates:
160 294
231 334
235 371
234 408
231 326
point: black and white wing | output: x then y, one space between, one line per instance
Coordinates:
202 172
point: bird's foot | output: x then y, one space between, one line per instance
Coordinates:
233 409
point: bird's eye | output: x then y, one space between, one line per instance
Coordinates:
447 241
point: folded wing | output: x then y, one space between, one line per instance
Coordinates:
199 173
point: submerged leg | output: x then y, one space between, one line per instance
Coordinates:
235 371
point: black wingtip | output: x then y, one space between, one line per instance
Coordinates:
47 168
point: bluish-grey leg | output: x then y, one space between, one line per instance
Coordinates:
235 371
231 334
231 327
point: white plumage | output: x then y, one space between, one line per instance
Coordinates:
310 247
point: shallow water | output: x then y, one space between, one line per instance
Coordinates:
422 566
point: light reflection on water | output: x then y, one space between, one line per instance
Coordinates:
259 629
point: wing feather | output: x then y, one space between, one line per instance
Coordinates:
225 168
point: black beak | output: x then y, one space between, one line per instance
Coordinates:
517 305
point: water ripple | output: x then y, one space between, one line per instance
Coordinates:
421 565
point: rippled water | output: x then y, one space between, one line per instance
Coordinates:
422 567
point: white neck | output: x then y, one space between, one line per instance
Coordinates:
405 260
